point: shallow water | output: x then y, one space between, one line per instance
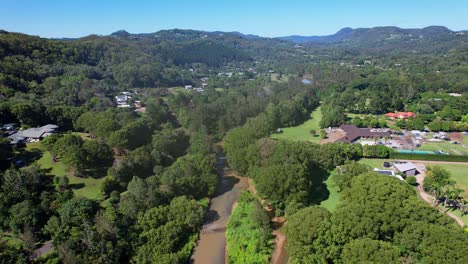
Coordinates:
211 246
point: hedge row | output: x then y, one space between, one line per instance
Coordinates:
433 157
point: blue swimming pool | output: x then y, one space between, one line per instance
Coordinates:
410 151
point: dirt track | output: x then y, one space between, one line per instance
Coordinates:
429 199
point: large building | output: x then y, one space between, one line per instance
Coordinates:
353 133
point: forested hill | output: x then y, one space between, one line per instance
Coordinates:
388 39
78 69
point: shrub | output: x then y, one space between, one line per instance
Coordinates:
434 157
411 180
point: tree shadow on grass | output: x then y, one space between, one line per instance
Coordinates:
96 173
76 186
320 192
29 156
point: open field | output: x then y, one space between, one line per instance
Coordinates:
452 149
88 187
177 90
302 132
334 196
374 163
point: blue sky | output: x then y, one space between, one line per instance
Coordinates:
75 18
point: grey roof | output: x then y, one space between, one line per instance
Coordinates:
404 166
38 132
15 138
35 132
50 126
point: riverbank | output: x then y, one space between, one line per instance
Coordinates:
211 244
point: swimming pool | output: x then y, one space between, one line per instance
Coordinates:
410 151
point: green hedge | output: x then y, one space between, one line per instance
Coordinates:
433 157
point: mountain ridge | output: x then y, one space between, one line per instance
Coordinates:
375 33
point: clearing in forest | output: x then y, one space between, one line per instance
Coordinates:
302 132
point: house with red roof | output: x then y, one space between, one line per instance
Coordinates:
400 115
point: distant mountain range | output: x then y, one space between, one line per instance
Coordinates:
375 33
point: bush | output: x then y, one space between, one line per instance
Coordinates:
376 151
248 232
433 157
411 180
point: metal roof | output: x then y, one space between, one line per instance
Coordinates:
404 166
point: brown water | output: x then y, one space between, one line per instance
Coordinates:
211 246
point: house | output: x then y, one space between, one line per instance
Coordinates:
33 134
389 173
455 94
10 127
400 115
188 87
122 99
353 133
198 89
407 168
16 139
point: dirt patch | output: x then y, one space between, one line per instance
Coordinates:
456 136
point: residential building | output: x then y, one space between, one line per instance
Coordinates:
400 115
33 134
407 168
353 133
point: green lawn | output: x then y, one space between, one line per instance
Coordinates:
302 132
374 163
334 197
465 140
88 187
453 149
176 90
459 173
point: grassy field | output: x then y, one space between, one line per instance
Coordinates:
453 149
302 132
87 187
334 197
374 163
176 90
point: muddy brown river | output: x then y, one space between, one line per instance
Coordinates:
211 246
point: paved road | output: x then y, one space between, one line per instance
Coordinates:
211 247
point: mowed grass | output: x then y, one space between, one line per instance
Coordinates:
87 187
374 163
453 149
334 197
302 132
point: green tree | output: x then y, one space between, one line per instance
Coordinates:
366 250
